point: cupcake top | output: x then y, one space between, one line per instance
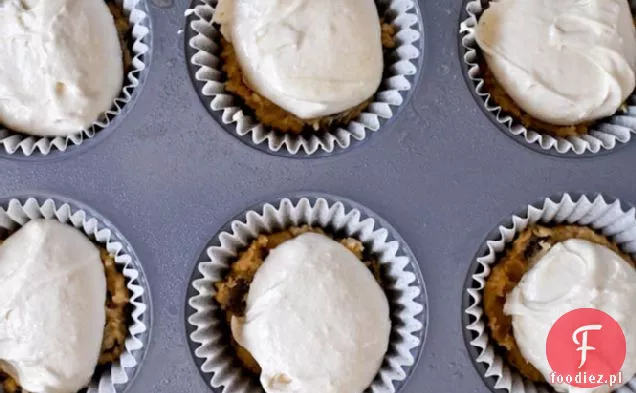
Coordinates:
52 296
316 319
572 274
61 65
312 58
563 62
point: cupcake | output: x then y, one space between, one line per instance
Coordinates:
68 68
304 66
305 278
65 305
563 257
557 68
547 272
293 291
73 301
325 77
62 65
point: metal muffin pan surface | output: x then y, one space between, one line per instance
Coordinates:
169 176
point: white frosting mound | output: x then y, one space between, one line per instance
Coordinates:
311 58
52 297
573 274
562 61
61 65
316 319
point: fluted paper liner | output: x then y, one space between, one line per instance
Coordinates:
605 134
608 218
404 288
16 143
18 212
400 69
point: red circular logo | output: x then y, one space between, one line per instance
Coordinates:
586 348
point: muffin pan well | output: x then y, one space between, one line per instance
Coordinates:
607 216
16 212
341 218
169 176
603 136
402 68
138 43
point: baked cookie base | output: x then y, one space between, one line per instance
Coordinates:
508 272
124 32
232 292
117 320
274 116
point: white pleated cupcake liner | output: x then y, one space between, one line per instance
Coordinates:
610 218
405 289
604 135
14 143
17 212
399 79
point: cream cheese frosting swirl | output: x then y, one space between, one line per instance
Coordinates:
311 58
61 65
52 297
316 319
564 62
573 274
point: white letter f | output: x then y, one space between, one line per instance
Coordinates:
583 345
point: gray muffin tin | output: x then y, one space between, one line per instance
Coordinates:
168 177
